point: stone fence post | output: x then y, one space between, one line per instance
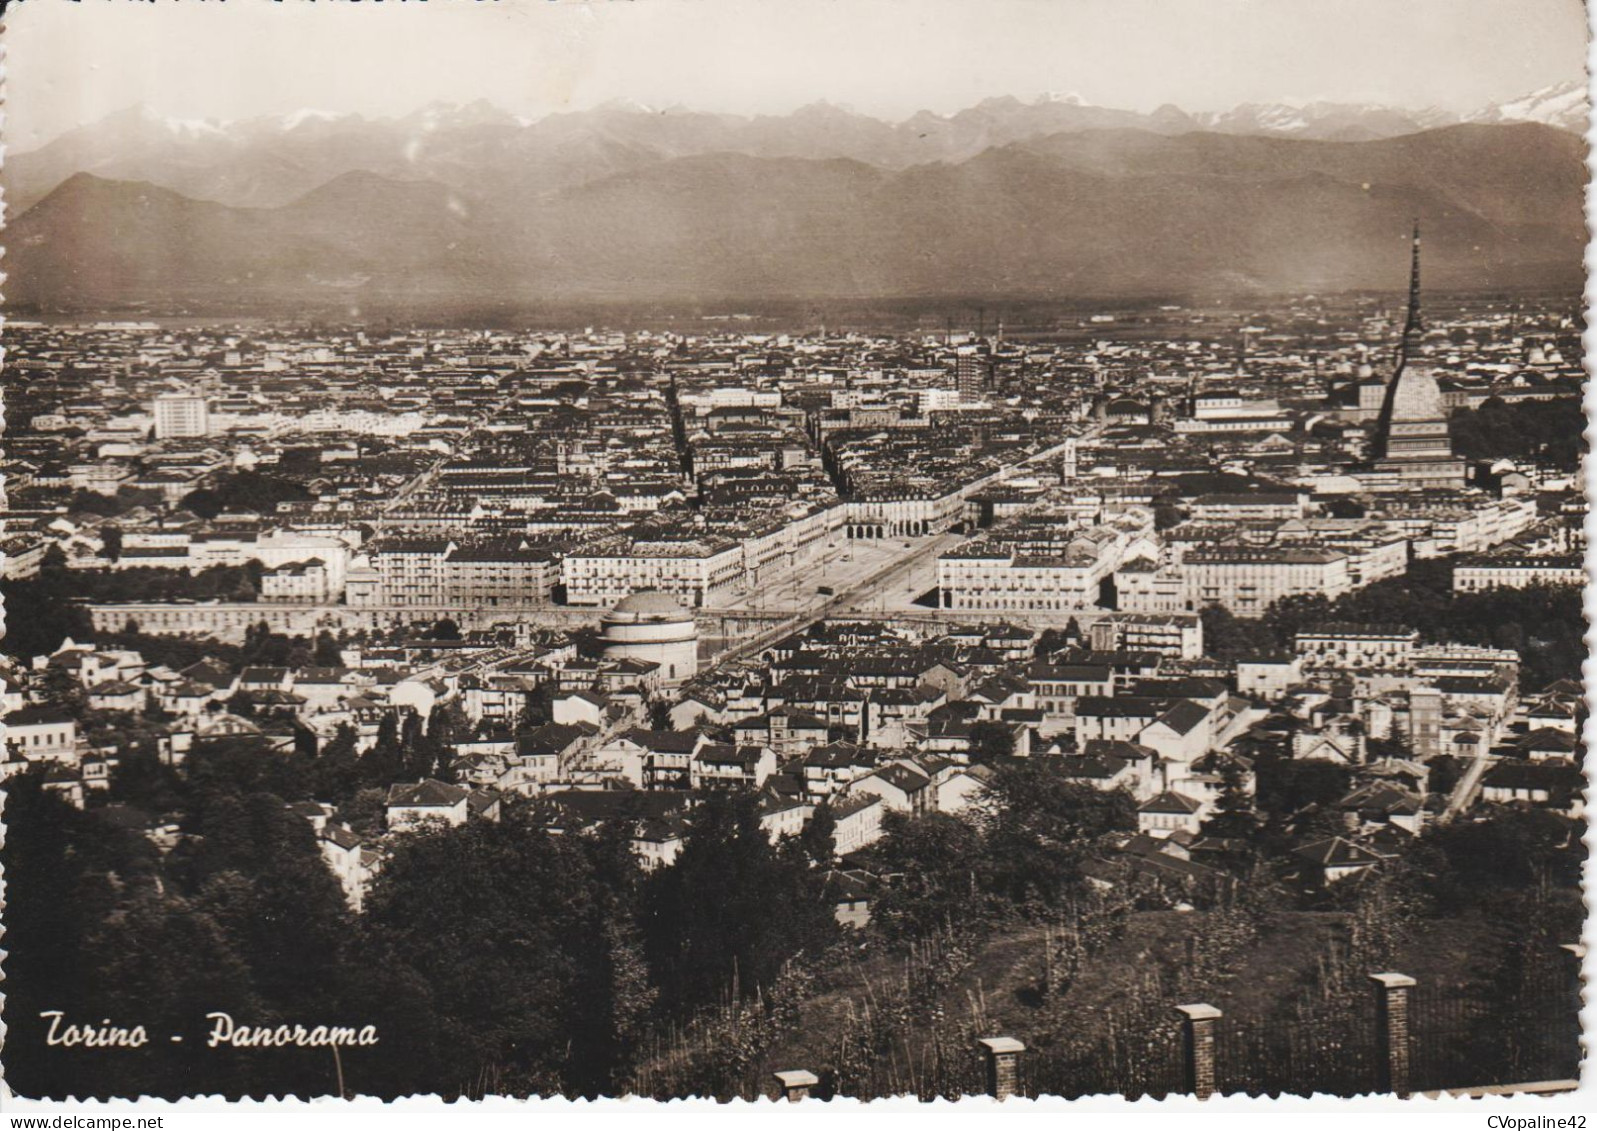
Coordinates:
1198 1039
1003 1065
1392 1031
1577 960
796 1084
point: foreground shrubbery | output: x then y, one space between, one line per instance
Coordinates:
499 958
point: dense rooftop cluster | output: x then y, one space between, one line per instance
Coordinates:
388 549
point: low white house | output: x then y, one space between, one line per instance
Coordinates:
1171 812
349 860
580 706
39 733
859 823
963 787
784 816
412 805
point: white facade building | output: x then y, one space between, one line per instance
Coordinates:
180 416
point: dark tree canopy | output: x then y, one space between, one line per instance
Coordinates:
518 935
732 907
1286 785
991 742
1541 622
1549 432
940 874
244 491
1039 827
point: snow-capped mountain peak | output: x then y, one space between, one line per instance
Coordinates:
149 120
1562 104
194 127
297 118
1259 117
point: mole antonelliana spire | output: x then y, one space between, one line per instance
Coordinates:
1411 434
1414 327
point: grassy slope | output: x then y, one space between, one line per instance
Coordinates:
1268 977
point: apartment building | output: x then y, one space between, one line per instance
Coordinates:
1034 566
1518 572
1248 579
693 571
1357 647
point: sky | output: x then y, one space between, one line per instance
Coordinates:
69 63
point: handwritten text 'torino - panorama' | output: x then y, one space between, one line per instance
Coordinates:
225 1032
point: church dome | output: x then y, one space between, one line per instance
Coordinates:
651 627
648 605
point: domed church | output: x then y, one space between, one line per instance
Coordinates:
650 625
1411 437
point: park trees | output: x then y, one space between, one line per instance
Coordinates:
991 741
732 909
940 869
1039 827
528 945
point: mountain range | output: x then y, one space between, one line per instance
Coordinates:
1008 198
264 162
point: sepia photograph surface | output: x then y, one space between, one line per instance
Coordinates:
788 549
